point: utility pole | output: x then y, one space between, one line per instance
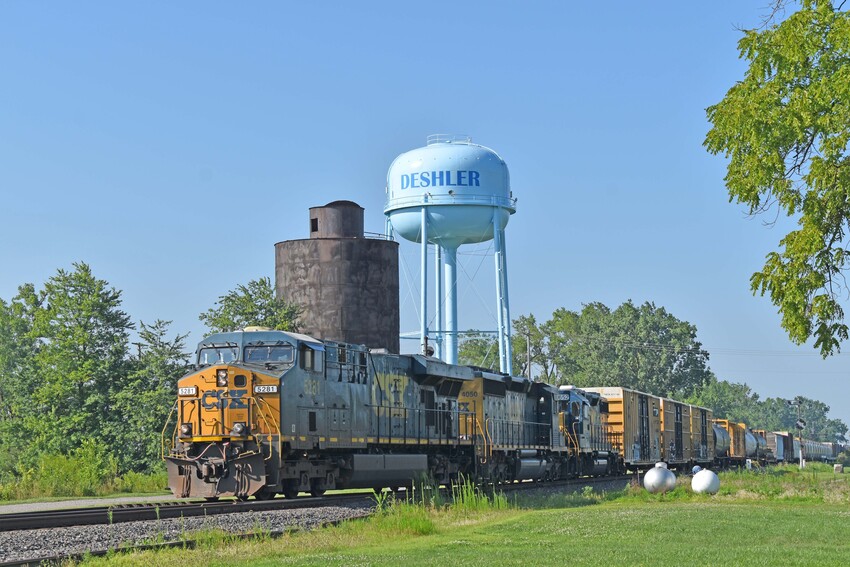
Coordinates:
800 424
528 353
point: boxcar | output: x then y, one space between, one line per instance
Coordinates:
634 420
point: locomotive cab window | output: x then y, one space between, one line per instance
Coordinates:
275 354
310 358
217 355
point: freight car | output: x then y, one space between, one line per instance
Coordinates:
267 412
634 419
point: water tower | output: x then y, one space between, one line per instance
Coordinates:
450 193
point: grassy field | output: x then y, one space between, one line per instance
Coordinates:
780 517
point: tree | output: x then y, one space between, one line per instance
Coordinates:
81 361
736 402
642 347
148 395
785 129
18 348
251 304
478 349
818 425
528 334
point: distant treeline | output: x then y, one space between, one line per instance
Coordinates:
646 348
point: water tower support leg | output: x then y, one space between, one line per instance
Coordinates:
423 285
450 255
438 288
509 349
500 298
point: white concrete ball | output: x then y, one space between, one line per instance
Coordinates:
705 482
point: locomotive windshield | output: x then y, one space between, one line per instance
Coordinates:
217 355
282 354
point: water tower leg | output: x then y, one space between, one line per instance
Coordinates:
500 301
423 285
438 288
509 349
450 255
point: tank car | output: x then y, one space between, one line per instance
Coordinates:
738 450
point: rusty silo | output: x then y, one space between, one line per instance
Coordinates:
345 283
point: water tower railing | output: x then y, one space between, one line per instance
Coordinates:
377 236
440 199
447 138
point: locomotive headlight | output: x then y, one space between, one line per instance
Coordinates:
239 428
186 430
221 378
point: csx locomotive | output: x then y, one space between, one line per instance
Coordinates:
270 412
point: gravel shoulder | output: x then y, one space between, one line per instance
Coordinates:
26 545
83 503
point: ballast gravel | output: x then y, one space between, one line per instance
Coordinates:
26 545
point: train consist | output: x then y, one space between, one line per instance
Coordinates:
270 412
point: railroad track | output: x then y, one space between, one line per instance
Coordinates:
134 512
158 511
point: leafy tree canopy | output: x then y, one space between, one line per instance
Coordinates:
148 395
642 347
251 304
785 129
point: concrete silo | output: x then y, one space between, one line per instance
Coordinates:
345 283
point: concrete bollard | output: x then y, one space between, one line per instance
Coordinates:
838 469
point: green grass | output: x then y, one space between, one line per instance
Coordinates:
776 517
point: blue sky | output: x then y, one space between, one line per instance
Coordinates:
170 145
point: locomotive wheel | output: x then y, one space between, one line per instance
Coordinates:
265 494
289 491
314 488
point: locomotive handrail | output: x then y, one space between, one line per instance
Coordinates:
265 416
163 443
488 441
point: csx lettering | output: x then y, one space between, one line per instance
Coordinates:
215 399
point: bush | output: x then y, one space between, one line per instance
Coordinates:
90 470
83 473
138 482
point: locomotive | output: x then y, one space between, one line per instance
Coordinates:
271 412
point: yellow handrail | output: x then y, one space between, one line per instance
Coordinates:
163 444
488 440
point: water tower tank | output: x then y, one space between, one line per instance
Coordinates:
450 193
460 183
